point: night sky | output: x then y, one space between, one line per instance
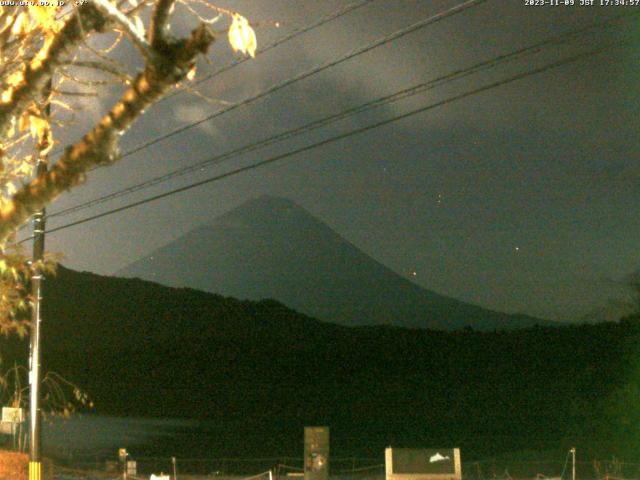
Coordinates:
520 199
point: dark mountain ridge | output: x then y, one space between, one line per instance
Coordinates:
272 248
257 372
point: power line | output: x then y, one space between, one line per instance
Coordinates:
459 8
273 159
285 38
400 95
449 12
291 35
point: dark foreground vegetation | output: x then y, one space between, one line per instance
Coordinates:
258 372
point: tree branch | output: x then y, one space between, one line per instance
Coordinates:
112 13
99 146
103 67
159 21
39 70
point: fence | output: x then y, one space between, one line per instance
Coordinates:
104 466
350 468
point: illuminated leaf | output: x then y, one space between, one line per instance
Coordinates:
15 78
45 17
192 73
241 36
38 127
24 170
8 21
23 123
44 51
21 25
11 131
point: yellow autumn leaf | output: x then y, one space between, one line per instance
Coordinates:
44 51
38 127
15 78
11 131
8 20
21 25
11 82
44 17
241 36
24 122
25 170
192 73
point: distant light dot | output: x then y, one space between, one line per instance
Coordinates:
413 274
517 249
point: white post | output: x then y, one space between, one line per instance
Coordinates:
573 470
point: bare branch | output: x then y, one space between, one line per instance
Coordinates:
38 71
202 96
141 5
112 13
67 77
69 93
103 67
99 146
159 19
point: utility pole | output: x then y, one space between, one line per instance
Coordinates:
122 455
573 469
35 433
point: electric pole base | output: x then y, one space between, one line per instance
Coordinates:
35 470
